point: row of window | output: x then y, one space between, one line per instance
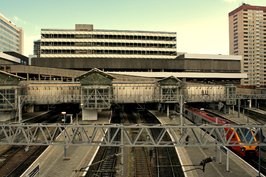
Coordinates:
8 26
258 37
3 28
250 40
252 83
7 96
57 88
252 71
94 36
253 29
257 21
8 41
257 14
124 52
108 44
254 52
258 44
253 48
9 46
257 11
4 49
253 18
9 36
254 56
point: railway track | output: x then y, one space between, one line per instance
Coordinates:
16 159
166 160
106 159
142 162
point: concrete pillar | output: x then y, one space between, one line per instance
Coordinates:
72 79
27 76
89 114
50 77
233 109
250 103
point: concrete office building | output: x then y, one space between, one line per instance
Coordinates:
247 37
86 42
11 37
142 53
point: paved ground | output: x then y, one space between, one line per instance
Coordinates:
52 163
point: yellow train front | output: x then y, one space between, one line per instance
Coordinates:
240 135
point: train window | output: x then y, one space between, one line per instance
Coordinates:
245 133
210 115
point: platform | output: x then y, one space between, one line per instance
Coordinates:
194 155
52 163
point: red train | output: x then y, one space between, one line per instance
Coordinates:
207 118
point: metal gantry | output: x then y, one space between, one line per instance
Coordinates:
41 134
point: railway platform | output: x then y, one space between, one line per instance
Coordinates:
194 155
243 119
52 163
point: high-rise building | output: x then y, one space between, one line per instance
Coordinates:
11 37
86 42
247 37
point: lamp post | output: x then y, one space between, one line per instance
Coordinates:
184 112
81 112
64 113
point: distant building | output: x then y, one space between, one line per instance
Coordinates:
86 42
12 58
247 37
11 37
36 48
30 57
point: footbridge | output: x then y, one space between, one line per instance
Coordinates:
96 90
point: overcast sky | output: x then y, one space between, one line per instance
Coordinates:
201 25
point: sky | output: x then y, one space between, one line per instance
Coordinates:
201 25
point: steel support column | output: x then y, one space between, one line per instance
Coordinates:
19 109
181 111
238 108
